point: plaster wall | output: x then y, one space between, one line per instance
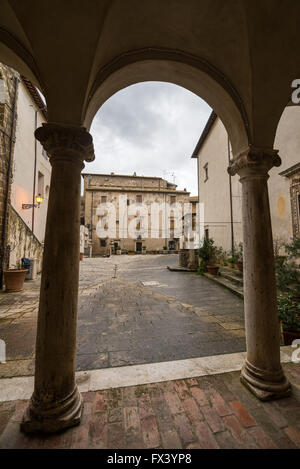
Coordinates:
23 165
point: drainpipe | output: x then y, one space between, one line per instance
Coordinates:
92 204
34 173
230 196
7 187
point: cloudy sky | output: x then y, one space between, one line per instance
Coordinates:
150 128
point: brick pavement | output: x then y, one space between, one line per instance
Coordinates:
207 412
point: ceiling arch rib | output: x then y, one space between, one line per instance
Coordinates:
176 67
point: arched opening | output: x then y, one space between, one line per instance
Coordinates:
142 130
173 67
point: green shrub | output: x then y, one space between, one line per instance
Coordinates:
207 254
288 312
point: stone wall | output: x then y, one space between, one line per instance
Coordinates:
8 85
21 242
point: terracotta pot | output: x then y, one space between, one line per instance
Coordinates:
81 256
131 253
289 336
239 265
213 269
14 279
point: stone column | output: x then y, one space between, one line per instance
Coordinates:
56 402
262 372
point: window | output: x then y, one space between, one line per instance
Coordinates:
139 199
128 202
40 188
172 224
103 243
206 233
103 199
44 153
138 226
173 199
205 167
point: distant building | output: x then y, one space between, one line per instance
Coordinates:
134 213
222 194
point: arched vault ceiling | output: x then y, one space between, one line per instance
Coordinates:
64 45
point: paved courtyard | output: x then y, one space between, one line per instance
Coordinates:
132 310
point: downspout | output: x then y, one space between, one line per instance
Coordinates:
92 204
199 211
230 196
6 197
34 174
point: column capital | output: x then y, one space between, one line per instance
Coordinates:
62 141
254 161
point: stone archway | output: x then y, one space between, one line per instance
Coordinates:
224 52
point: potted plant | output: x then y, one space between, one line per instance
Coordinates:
14 279
153 251
289 317
118 250
131 252
239 257
165 249
207 254
144 249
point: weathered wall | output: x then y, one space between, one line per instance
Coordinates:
112 186
288 143
8 86
214 192
21 242
23 166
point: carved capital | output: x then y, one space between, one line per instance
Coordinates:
66 142
254 162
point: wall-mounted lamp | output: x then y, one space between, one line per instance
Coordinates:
38 198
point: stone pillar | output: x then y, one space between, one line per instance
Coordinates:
262 372
56 402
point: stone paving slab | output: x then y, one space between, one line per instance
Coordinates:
121 322
208 412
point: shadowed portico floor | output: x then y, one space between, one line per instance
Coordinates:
207 412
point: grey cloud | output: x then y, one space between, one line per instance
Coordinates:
151 128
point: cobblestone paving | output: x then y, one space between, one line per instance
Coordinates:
122 322
208 412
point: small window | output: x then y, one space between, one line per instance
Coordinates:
173 199
103 243
128 202
138 226
40 184
44 153
139 199
172 224
206 233
103 199
205 167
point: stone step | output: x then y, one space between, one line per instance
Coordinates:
232 271
232 278
224 282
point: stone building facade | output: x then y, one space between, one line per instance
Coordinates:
9 81
221 193
144 218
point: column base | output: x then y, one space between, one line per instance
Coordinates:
51 419
264 384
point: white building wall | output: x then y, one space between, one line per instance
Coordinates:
214 192
23 165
